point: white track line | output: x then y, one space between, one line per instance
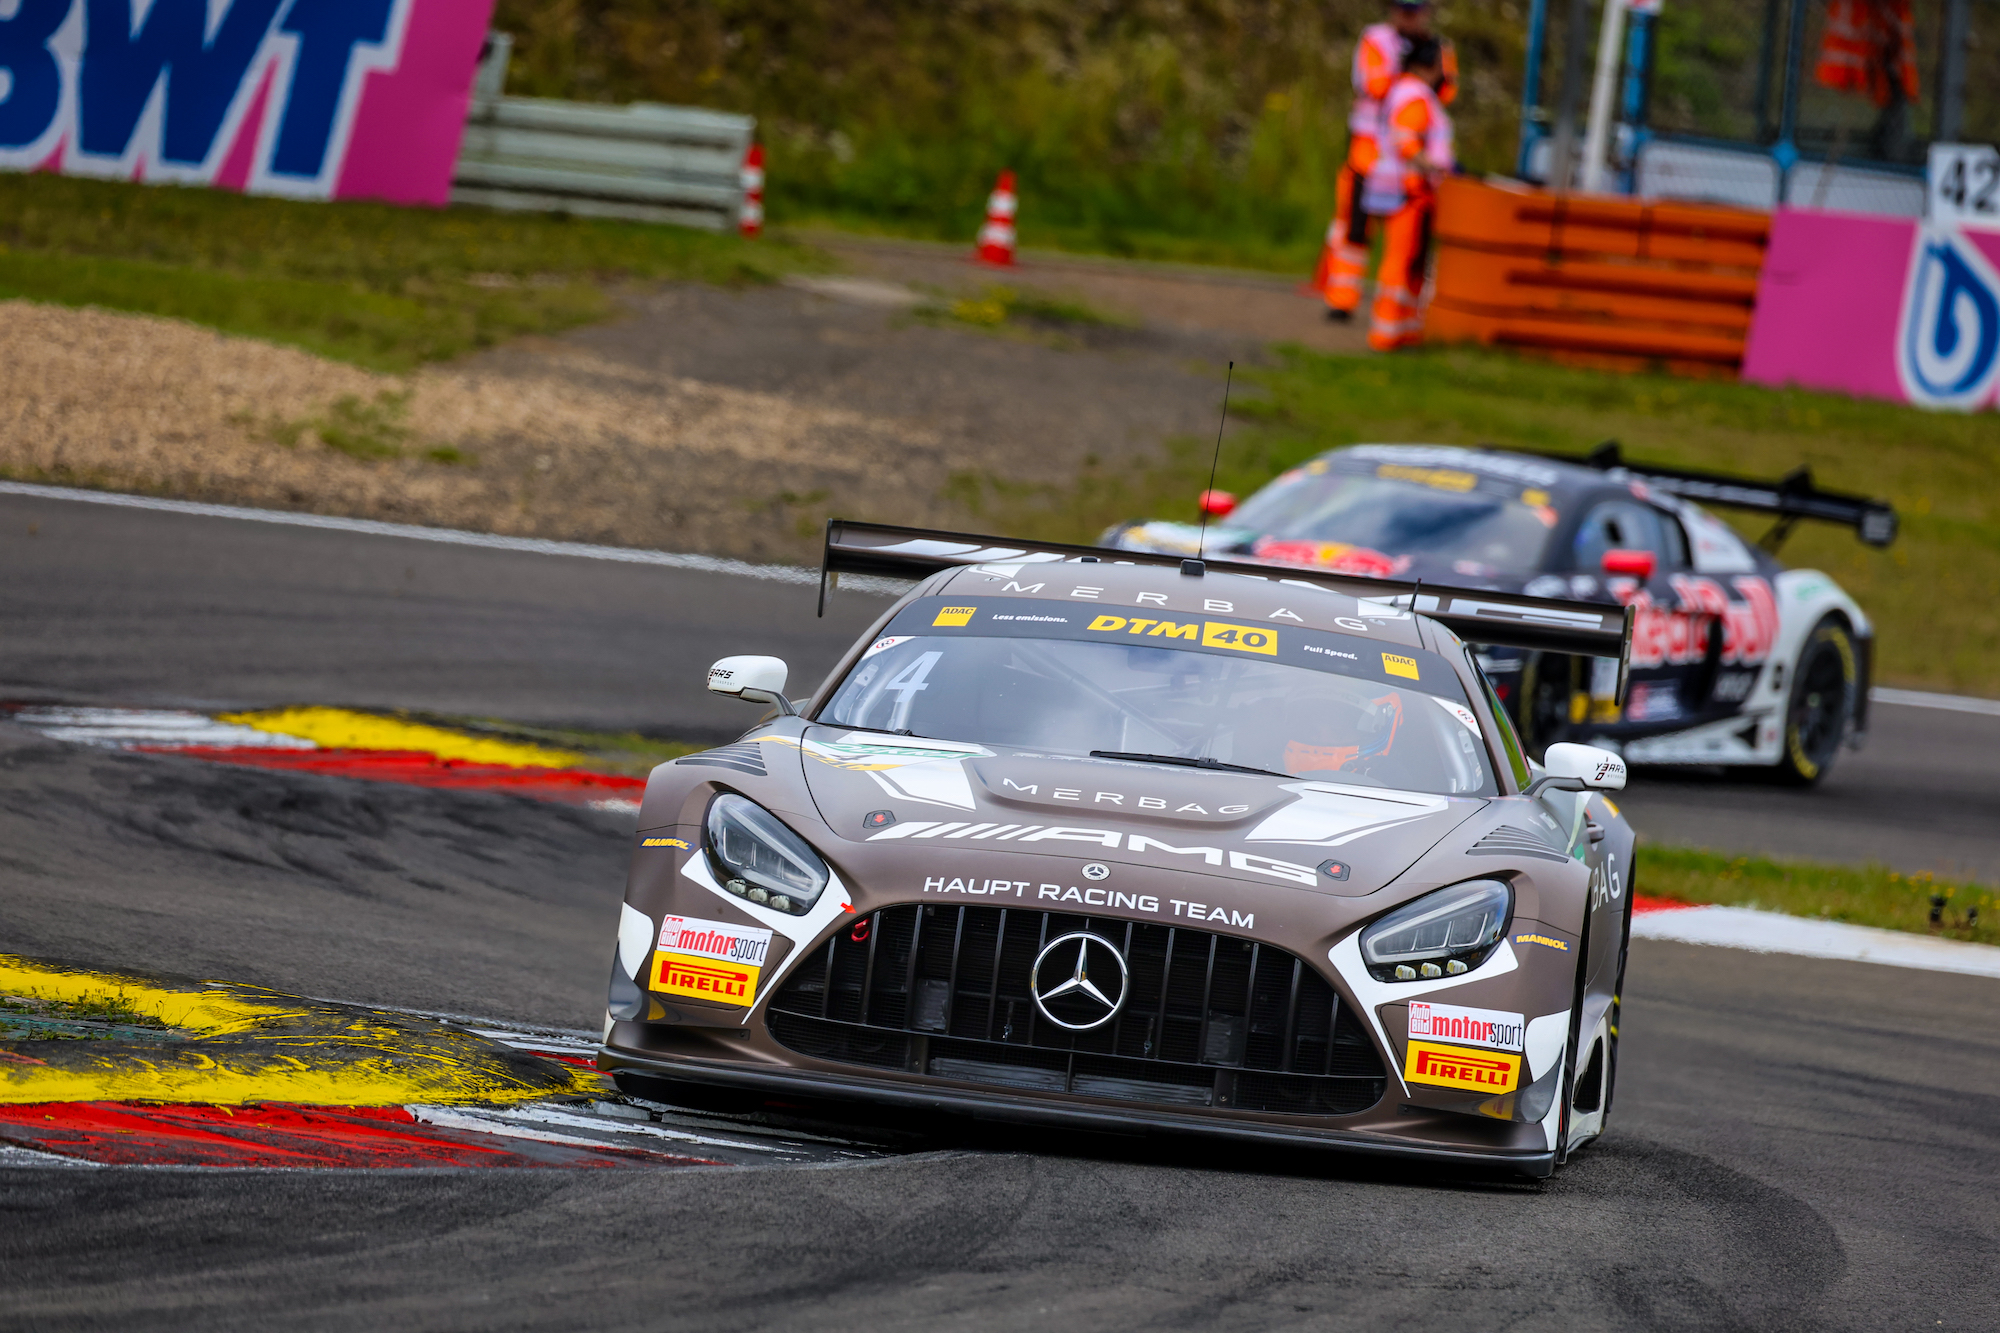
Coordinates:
706 564
1774 932
1957 703
124 727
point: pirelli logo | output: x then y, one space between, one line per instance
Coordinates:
1457 1067
705 979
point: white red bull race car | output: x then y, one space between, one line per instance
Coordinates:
1736 660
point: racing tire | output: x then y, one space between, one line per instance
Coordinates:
1617 1008
1542 711
1566 1084
1825 690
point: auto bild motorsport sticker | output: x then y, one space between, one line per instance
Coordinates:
710 960
1474 1027
1456 1067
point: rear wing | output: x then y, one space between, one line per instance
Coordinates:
1582 629
1791 497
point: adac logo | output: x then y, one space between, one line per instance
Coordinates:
1948 346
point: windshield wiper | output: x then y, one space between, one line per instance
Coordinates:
885 731
1185 762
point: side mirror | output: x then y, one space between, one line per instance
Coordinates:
1639 564
1216 504
758 679
1568 767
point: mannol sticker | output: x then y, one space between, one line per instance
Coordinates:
710 960
1492 1028
1457 1067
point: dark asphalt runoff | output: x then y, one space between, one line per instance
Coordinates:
1796 1144
109 605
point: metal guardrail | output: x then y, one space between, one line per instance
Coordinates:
647 162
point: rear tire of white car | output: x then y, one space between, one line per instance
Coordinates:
1825 690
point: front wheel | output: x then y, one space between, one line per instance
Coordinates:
1825 688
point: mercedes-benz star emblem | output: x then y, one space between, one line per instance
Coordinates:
1097 870
1082 991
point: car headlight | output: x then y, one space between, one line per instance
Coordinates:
758 858
1440 934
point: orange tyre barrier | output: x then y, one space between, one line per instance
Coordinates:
1608 281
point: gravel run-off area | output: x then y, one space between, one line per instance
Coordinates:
703 419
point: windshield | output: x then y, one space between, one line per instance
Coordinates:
1383 518
1066 696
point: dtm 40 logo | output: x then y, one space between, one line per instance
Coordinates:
1674 635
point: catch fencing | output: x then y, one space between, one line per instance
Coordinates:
1721 101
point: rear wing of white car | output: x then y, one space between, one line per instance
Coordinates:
1789 498
1582 629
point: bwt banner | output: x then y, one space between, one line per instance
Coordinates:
318 99
1879 307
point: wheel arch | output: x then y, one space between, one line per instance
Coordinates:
1805 597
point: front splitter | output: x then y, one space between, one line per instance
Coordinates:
1029 1111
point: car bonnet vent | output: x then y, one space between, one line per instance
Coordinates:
744 758
1510 841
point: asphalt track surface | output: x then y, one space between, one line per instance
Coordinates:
120 606
1797 1144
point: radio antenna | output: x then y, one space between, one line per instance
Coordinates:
1201 545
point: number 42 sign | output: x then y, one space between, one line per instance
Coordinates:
1963 182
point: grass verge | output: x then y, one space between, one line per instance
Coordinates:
1932 594
376 285
1860 895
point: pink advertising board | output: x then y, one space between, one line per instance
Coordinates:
316 99
1880 308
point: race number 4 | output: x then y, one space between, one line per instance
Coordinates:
1964 184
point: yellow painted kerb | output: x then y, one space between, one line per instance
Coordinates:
343 729
253 1045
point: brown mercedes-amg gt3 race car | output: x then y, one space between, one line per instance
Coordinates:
1116 840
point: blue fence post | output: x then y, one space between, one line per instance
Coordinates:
1786 150
1531 82
1635 104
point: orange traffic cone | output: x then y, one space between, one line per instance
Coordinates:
996 238
750 221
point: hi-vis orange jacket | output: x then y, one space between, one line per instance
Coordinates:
1869 47
1378 61
1415 135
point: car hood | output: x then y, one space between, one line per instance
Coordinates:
1331 837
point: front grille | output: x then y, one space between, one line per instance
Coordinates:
1209 1020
